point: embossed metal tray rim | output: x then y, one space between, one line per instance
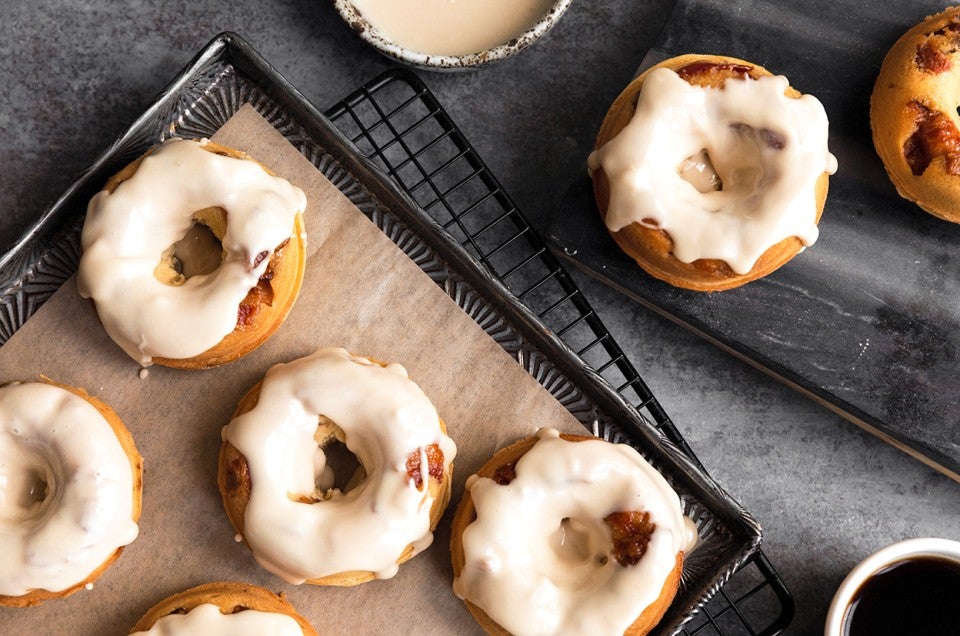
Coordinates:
46 255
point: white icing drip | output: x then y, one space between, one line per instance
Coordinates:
768 193
693 535
207 620
385 417
452 27
48 434
538 557
127 231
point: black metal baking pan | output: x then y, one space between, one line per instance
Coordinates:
229 73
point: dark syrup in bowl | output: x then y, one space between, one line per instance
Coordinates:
914 596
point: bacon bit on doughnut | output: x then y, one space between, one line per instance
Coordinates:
434 464
631 533
238 474
505 474
259 259
250 305
712 74
935 136
951 27
929 59
260 295
245 312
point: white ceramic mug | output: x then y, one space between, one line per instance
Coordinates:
905 550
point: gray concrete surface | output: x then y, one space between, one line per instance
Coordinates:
73 74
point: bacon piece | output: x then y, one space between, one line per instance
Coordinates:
631 533
929 59
434 465
258 296
237 475
712 74
935 136
505 474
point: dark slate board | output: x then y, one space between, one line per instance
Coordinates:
867 320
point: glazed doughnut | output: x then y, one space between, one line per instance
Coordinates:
561 534
193 254
70 486
710 172
223 609
302 517
913 115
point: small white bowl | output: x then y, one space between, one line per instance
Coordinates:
379 41
910 549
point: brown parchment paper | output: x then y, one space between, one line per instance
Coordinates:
360 292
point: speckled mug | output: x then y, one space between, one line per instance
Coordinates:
382 43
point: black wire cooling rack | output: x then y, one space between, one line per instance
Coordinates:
397 122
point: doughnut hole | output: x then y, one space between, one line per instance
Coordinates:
581 541
743 165
198 252
585 549
337 470
575 554
698 171
29 486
